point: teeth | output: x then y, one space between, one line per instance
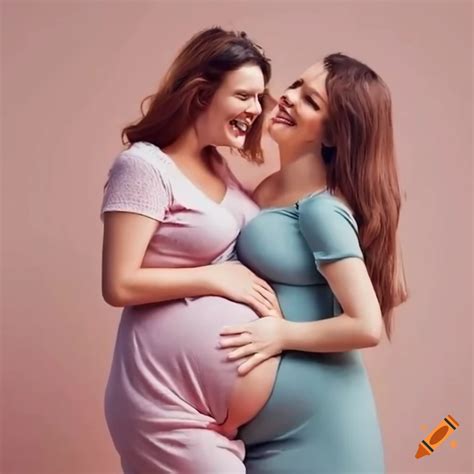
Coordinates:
240 124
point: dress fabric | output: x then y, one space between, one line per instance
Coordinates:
321 416
169 380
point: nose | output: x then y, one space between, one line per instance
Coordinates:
255 107
286 99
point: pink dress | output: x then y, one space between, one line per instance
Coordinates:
168 379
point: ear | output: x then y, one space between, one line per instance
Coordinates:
202 100
202 94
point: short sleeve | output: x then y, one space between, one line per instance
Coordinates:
136 185
329 229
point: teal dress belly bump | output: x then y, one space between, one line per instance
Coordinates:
321 416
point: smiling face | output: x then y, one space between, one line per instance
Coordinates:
233 108
298 119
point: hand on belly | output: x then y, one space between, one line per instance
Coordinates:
256 341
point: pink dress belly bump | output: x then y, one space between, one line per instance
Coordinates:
176 362
167 370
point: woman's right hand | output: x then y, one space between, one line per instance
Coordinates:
236 282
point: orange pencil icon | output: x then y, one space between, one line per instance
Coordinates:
437 437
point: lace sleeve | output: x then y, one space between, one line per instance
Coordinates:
135 185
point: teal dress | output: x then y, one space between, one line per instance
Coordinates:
321 416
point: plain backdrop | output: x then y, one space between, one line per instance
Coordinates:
74 73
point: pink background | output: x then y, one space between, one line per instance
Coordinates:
73 73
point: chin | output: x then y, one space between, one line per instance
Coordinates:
234 142
277 134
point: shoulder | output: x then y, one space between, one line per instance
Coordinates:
148 155
139 169
324 218
137 183
325 208
329 228
143 163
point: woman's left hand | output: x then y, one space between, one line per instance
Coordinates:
258 340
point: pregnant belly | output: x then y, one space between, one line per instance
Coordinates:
174 345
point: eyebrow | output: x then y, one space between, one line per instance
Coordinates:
311 90
247 91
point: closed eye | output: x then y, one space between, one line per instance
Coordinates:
312 102
244 97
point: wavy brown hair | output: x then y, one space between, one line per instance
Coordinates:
361 164
189 85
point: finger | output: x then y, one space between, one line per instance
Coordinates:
257 293
268 295
275 309
260 308
235 341
251 363
232 330
243 351
263 283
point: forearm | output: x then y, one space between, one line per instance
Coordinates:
153 285
335 334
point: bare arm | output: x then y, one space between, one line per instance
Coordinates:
331 235
360 325
125 282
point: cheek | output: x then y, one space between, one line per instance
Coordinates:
313 128
218 109
215 121
235 107
211 124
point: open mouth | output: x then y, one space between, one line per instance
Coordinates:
284 117
240 126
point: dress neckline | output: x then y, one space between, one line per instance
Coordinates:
296 203
190 182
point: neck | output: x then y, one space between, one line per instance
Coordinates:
301 171
187 150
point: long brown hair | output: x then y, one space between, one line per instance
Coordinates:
361 164
189 85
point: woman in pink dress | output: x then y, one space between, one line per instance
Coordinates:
172 211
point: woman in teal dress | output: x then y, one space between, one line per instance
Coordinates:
326 240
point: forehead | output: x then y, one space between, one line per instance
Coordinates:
315 78
249 77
